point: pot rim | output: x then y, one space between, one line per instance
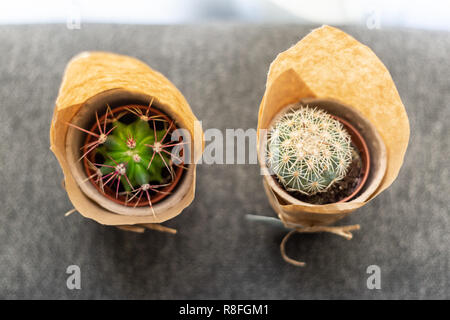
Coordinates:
165 192
364 154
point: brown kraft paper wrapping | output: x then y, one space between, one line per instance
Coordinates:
330 64
91 73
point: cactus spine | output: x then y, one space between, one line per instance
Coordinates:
129 145
308 150
136 156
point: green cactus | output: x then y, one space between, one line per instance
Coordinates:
135 155
129 145
308 150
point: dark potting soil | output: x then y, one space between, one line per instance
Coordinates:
340 189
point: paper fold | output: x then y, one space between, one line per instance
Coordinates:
330 64
92 73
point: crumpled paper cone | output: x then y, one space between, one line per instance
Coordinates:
330 64
93 73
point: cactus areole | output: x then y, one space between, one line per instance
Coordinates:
129 156
311 154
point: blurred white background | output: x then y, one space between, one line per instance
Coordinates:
425 14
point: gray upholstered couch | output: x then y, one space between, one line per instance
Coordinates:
221 69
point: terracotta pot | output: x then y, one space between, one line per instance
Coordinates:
360 143
364 137
109 193
76 139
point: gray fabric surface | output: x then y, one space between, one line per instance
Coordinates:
221 70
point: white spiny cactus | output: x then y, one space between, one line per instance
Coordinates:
308 150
